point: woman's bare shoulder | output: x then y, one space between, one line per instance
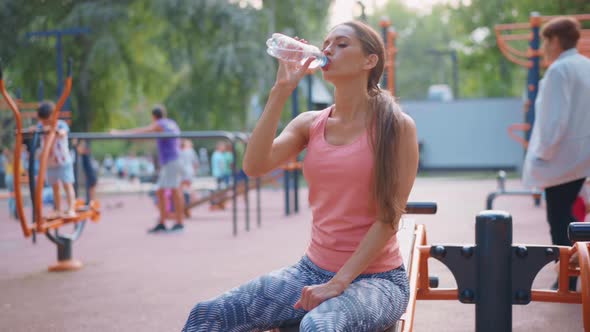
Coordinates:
406 123
306 119
303 123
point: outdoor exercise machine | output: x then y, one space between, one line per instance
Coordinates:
40 223
502 191
233 138
493 273
508 36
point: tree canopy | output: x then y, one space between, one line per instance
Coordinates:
202 58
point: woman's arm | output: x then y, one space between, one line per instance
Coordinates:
379 233
265 152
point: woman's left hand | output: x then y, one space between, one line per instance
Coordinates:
312 296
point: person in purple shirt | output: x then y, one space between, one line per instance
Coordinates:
171 170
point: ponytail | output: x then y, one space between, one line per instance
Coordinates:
384 124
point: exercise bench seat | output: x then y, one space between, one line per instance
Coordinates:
405 238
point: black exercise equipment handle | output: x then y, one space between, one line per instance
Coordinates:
579 232
421 208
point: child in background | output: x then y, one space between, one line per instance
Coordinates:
229 163
190 162
219 165
60 167
84 151
220 171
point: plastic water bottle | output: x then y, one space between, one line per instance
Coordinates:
289 49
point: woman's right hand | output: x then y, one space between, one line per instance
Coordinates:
290 73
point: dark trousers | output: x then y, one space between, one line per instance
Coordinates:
560 200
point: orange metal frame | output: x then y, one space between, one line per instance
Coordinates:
41 224
390 54
504 35
21 105
27 230
519 127
420 285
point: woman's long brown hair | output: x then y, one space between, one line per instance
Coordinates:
383 126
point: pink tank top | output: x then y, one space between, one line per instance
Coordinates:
339 180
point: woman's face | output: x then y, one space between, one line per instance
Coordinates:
345 54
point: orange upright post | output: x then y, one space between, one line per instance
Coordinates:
391 55
388 35
27 230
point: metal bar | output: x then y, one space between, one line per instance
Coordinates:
286 178
514 59
579 17
415 268
455 61
185 134
421 208
59 59
385 24
390 59
584 259
514 51
534 72
243 138
27 231
49 33
235 191
515 37
258 215
32 146
247 202
54 238
493 239
555 297
76 157
439 294
579 231
505 49
295 191
518 193
295 113
40 92
513 26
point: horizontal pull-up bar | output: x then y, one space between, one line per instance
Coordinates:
185 134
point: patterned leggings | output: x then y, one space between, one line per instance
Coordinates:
373 302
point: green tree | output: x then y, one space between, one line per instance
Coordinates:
467 28
202 58
486 71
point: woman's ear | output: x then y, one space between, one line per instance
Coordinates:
371 61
